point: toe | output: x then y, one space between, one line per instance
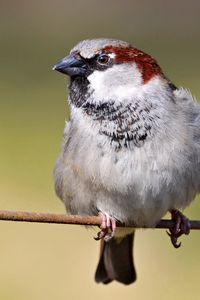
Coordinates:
108 227
181 226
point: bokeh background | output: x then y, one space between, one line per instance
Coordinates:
39 261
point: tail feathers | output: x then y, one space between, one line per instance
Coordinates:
116 261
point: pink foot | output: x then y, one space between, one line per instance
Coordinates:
108 227
182 226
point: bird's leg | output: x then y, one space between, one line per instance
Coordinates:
181 226
108 227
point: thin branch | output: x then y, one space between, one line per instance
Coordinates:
22 216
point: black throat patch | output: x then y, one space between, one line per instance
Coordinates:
78 90
125 125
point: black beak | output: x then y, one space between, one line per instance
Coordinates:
72 65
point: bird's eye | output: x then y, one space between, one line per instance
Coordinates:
103 59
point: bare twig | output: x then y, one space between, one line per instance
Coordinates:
22 216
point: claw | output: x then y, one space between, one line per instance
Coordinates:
174 240
182 226
108 227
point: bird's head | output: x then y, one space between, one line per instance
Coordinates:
112 68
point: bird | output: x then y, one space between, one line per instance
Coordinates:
130 150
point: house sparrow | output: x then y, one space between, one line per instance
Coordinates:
131 150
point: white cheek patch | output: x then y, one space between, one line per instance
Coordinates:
118 82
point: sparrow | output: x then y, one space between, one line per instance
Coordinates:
131 149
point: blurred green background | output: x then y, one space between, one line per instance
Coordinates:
40 261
